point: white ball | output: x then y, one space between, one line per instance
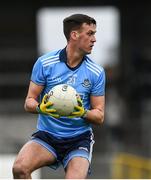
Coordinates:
64 99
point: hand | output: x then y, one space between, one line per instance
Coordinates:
45 107
79 110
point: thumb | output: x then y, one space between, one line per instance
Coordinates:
45 98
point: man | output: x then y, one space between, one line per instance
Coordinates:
65 140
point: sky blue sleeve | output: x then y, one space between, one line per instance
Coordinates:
98 88
38 76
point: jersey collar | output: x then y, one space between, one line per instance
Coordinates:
63 58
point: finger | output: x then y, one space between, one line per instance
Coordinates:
50 110
79 102
49 104
77 108
71 116
45 98
55 115
75 113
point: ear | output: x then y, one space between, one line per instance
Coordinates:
74 35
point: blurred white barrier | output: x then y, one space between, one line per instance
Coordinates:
105 51
6 163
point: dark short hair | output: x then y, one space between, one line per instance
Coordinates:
74 22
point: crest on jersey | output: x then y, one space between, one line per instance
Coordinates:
86 83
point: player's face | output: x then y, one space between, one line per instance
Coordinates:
86 38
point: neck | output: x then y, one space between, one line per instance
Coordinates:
74 57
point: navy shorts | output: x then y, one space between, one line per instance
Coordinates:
67 148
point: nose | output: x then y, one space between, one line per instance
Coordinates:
94 39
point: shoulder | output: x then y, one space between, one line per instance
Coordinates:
49 58
93 67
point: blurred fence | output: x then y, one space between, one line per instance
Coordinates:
129 166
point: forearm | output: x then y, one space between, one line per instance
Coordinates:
95 116
30 105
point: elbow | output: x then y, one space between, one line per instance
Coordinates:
25 107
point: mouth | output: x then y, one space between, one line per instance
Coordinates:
91 46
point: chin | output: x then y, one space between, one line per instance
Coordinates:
88 52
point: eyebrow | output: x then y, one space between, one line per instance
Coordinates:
92 31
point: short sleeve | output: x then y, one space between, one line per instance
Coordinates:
98 88
37 75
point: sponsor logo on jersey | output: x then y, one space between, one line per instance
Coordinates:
55 79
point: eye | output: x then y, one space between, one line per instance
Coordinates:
91 33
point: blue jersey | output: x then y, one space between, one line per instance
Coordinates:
87 78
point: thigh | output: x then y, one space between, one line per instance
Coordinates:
77 168
33 156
